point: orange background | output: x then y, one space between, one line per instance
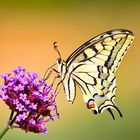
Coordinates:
27 31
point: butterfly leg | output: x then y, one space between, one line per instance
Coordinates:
54 79
49 71
48 75
58 85
57 76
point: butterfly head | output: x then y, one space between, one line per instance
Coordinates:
59 62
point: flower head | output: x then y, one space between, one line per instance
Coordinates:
30 98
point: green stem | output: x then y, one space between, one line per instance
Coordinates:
8 126
4 131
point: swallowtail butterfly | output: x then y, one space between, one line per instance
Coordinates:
92 66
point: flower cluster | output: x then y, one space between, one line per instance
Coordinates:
30 98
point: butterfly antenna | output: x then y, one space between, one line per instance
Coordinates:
110 111
56 49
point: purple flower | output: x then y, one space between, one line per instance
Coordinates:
21 117
23 97
18 87
33 106
32 121
15 101
30 98
19 107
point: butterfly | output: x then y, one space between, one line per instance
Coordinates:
92 67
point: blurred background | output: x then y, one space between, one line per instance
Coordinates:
27 30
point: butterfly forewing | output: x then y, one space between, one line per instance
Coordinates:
106 49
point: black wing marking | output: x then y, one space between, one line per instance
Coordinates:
106 49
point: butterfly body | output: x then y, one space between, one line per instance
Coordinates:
92 66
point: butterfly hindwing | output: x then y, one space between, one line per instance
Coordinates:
97 84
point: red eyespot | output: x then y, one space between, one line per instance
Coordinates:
90 104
